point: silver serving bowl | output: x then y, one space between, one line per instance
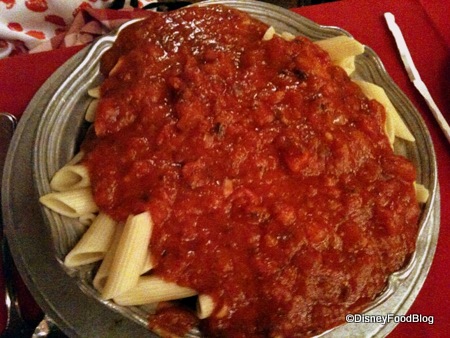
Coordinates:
48 136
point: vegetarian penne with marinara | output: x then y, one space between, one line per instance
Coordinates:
241 174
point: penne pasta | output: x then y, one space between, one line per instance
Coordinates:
399 128
148 264
422 193
94 92
104 269
90 111
287 36
71 203
205 306
76 159
71 177
348 64
341 47
130 255
268 35
87 219
151 289
389 127
116 66
94 243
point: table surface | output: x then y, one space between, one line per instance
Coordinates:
424 24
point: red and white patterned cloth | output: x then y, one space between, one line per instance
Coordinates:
29 26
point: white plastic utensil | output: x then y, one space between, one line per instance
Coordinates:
413 73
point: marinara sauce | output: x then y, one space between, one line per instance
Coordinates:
270 180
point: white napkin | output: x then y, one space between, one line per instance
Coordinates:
25 24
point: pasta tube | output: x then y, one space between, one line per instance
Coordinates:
287 36
205 306
422 193
117 66
87 219
70 177
77 158
268 35
130 255
151 289
348 64
94 92
103 272
90 111
104 269
71 203
94 243
341 47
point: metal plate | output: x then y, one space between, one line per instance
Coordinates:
48 135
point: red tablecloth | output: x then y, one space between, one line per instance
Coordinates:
425 26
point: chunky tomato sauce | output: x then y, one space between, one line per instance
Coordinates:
270 180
